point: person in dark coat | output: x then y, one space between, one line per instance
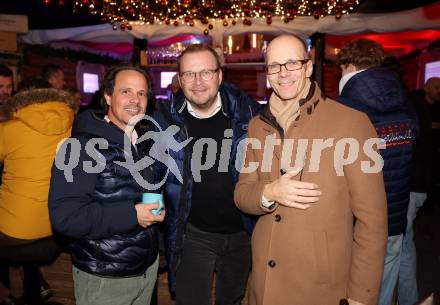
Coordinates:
204 230
97 200
377 92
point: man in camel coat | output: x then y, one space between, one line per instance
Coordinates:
323 241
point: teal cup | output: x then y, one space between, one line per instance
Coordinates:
153 198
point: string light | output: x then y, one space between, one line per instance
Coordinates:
175 12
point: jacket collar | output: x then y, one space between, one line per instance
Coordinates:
267 117
344 79
179 102
93 124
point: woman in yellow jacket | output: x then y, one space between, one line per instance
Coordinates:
32 124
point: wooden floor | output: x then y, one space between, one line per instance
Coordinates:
59 277
59 274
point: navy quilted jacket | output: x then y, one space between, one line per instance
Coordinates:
379 94
237 106
97 210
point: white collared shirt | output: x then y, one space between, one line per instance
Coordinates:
346 78
217 107
134 136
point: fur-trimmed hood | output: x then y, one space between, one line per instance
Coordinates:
25 98
48 111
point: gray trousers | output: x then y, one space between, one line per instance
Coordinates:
95 290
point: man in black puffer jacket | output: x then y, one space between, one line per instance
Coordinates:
95 200
378 93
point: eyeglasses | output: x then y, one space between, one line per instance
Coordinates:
206 75
291 65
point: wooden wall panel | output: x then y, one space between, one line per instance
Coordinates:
251 79
34 64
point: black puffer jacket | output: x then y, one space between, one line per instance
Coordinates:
97 209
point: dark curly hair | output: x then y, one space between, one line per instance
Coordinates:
361 53
108 83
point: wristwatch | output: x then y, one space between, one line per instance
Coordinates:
267 204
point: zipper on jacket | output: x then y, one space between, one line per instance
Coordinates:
182 207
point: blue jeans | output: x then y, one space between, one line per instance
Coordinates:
204 253
391 269
407 291
96 290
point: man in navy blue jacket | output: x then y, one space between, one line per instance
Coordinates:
376 91
204 231
97 202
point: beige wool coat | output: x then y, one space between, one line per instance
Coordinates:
316 256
